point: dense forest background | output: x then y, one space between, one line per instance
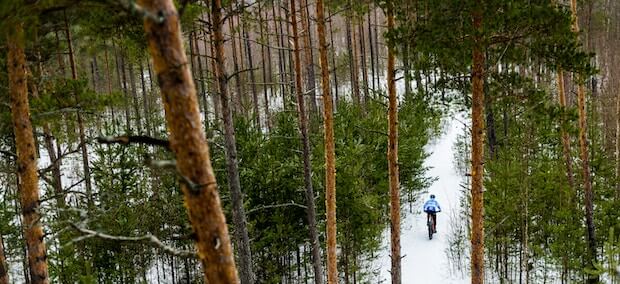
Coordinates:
91 89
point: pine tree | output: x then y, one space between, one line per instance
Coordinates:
26 155
188 142
330 159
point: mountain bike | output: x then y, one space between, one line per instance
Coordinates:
431 225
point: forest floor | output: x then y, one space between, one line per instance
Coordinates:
424 260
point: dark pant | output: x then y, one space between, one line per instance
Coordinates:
434 216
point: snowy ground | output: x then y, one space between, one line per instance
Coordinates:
424 260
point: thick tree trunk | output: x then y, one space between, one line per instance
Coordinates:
26 155
305 142
477 166
242 240
188 141
330 153
565 138
4 268
392 156
585 160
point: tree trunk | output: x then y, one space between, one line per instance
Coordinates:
392 156
355 90
477 166
308 56
335 73
281 63
134 95
565 138
123 70
188 141
305 142
330 155
242 240
203 85
266 61
618 146
82 134
363 62
372 53
250 59
26 156
238 106
585 160
4 268
145 103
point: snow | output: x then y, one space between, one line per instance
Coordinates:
424 260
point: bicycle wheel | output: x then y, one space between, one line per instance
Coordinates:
430 228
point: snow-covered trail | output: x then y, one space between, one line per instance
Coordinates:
424 260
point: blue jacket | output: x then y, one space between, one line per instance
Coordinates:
432 206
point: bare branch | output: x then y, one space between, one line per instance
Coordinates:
131 139
275 206
149 239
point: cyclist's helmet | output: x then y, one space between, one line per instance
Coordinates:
432 196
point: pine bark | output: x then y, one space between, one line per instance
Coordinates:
330 155
477 189
4 268
26 155
585 160
565 138
242 240
392 156
305 142
188 141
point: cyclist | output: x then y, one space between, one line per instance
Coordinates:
431 207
